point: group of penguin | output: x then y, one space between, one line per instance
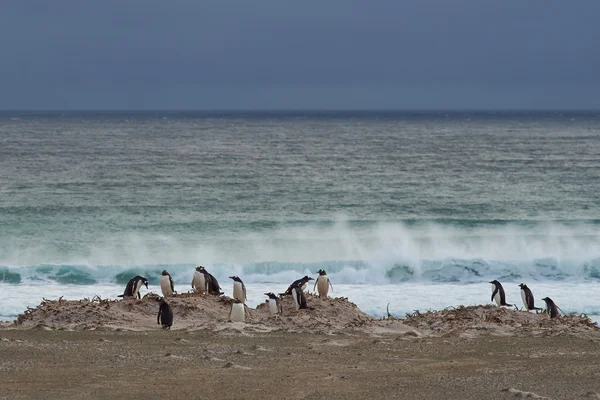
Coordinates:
499 297
205 283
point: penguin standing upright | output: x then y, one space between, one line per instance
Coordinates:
199 283
166 284
239 289
323 283
165 314
527 297
498 294
302 283
274 303
133 287
551 307
298 298
238 311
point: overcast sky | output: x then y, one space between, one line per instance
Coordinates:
277 54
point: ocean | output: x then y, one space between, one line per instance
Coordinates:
415 210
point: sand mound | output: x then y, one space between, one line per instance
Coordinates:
190 311
489 319
194 312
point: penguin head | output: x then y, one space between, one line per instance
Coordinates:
321 272
200 268
522 286
161 300
164 272
235 278
548 300
495 283
271 295
308 278
145 282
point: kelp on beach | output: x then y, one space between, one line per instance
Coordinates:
195 312
465 320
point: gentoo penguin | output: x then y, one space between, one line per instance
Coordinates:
298 298
238 311
239 289
133 287
551 308
527 297
302 282
323 283
274 304
199 281
166 284
498 294
212 284
165 314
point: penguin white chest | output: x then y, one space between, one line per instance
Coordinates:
296 298
198 282
323 285
238 291
136 289
497 298
304 286
165 286
524 298
273 306
238 312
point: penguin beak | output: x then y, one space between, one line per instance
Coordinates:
231 277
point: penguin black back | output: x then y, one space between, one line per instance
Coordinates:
551 307
498 294
528 300
165 314
211 282
132 286
298 282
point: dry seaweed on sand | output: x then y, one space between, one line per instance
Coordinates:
453 320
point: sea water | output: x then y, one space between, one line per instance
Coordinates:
415 210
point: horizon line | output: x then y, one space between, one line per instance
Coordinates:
306 110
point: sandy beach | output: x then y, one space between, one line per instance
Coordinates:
97 348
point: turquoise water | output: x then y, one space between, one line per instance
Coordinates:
377 199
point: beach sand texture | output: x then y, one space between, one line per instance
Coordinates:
97 348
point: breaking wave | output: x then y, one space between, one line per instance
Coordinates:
377 253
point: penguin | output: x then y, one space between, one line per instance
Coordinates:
212 284
239 289
165 314
551 308
238 311
166 284
298 298
199 281
302 282
274 304
133 287
323 283
498 294
527 297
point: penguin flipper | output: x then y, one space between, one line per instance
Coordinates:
330 285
